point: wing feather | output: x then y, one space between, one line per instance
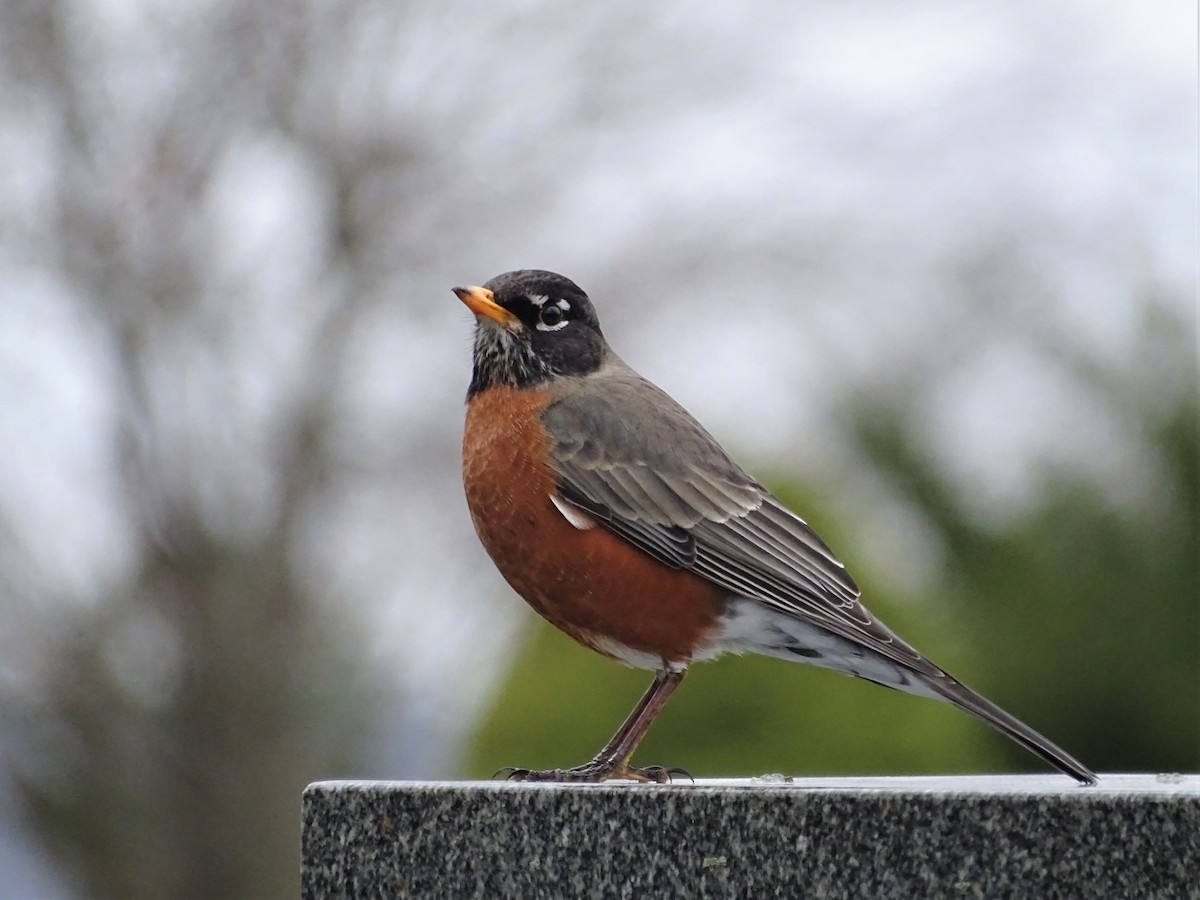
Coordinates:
668 487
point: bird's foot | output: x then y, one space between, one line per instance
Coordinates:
594 772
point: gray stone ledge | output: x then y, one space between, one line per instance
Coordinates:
1019 836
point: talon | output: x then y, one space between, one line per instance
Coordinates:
656 774
659 774
593 773
548 775
510 773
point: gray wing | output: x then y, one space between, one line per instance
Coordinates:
636 461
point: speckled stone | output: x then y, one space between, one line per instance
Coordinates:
1131 836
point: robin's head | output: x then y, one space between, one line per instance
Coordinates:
531 325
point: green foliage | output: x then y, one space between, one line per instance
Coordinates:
1087 609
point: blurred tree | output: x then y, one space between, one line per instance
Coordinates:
162 721
174 730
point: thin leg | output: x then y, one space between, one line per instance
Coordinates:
613 760
619 750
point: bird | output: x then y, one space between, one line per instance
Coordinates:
622 521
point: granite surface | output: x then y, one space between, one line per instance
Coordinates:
1022 836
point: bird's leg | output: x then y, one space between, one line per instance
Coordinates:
613 760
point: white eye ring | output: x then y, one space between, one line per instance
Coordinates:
562 306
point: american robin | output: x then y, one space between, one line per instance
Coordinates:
625 524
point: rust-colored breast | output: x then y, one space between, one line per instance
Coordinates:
593 585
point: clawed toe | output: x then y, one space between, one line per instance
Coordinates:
582 774
664 774
593 773
510 773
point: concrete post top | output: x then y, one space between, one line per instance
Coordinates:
960 836
1125 784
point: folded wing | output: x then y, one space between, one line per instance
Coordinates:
652 475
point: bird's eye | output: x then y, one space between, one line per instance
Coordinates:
551 317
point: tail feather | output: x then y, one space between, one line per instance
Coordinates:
749 624
966 699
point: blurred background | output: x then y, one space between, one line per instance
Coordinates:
928 270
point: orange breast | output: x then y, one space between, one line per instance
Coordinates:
593 585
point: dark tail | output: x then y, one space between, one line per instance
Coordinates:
963 697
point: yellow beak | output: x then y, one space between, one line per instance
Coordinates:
482 302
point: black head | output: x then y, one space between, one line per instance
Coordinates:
531 326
